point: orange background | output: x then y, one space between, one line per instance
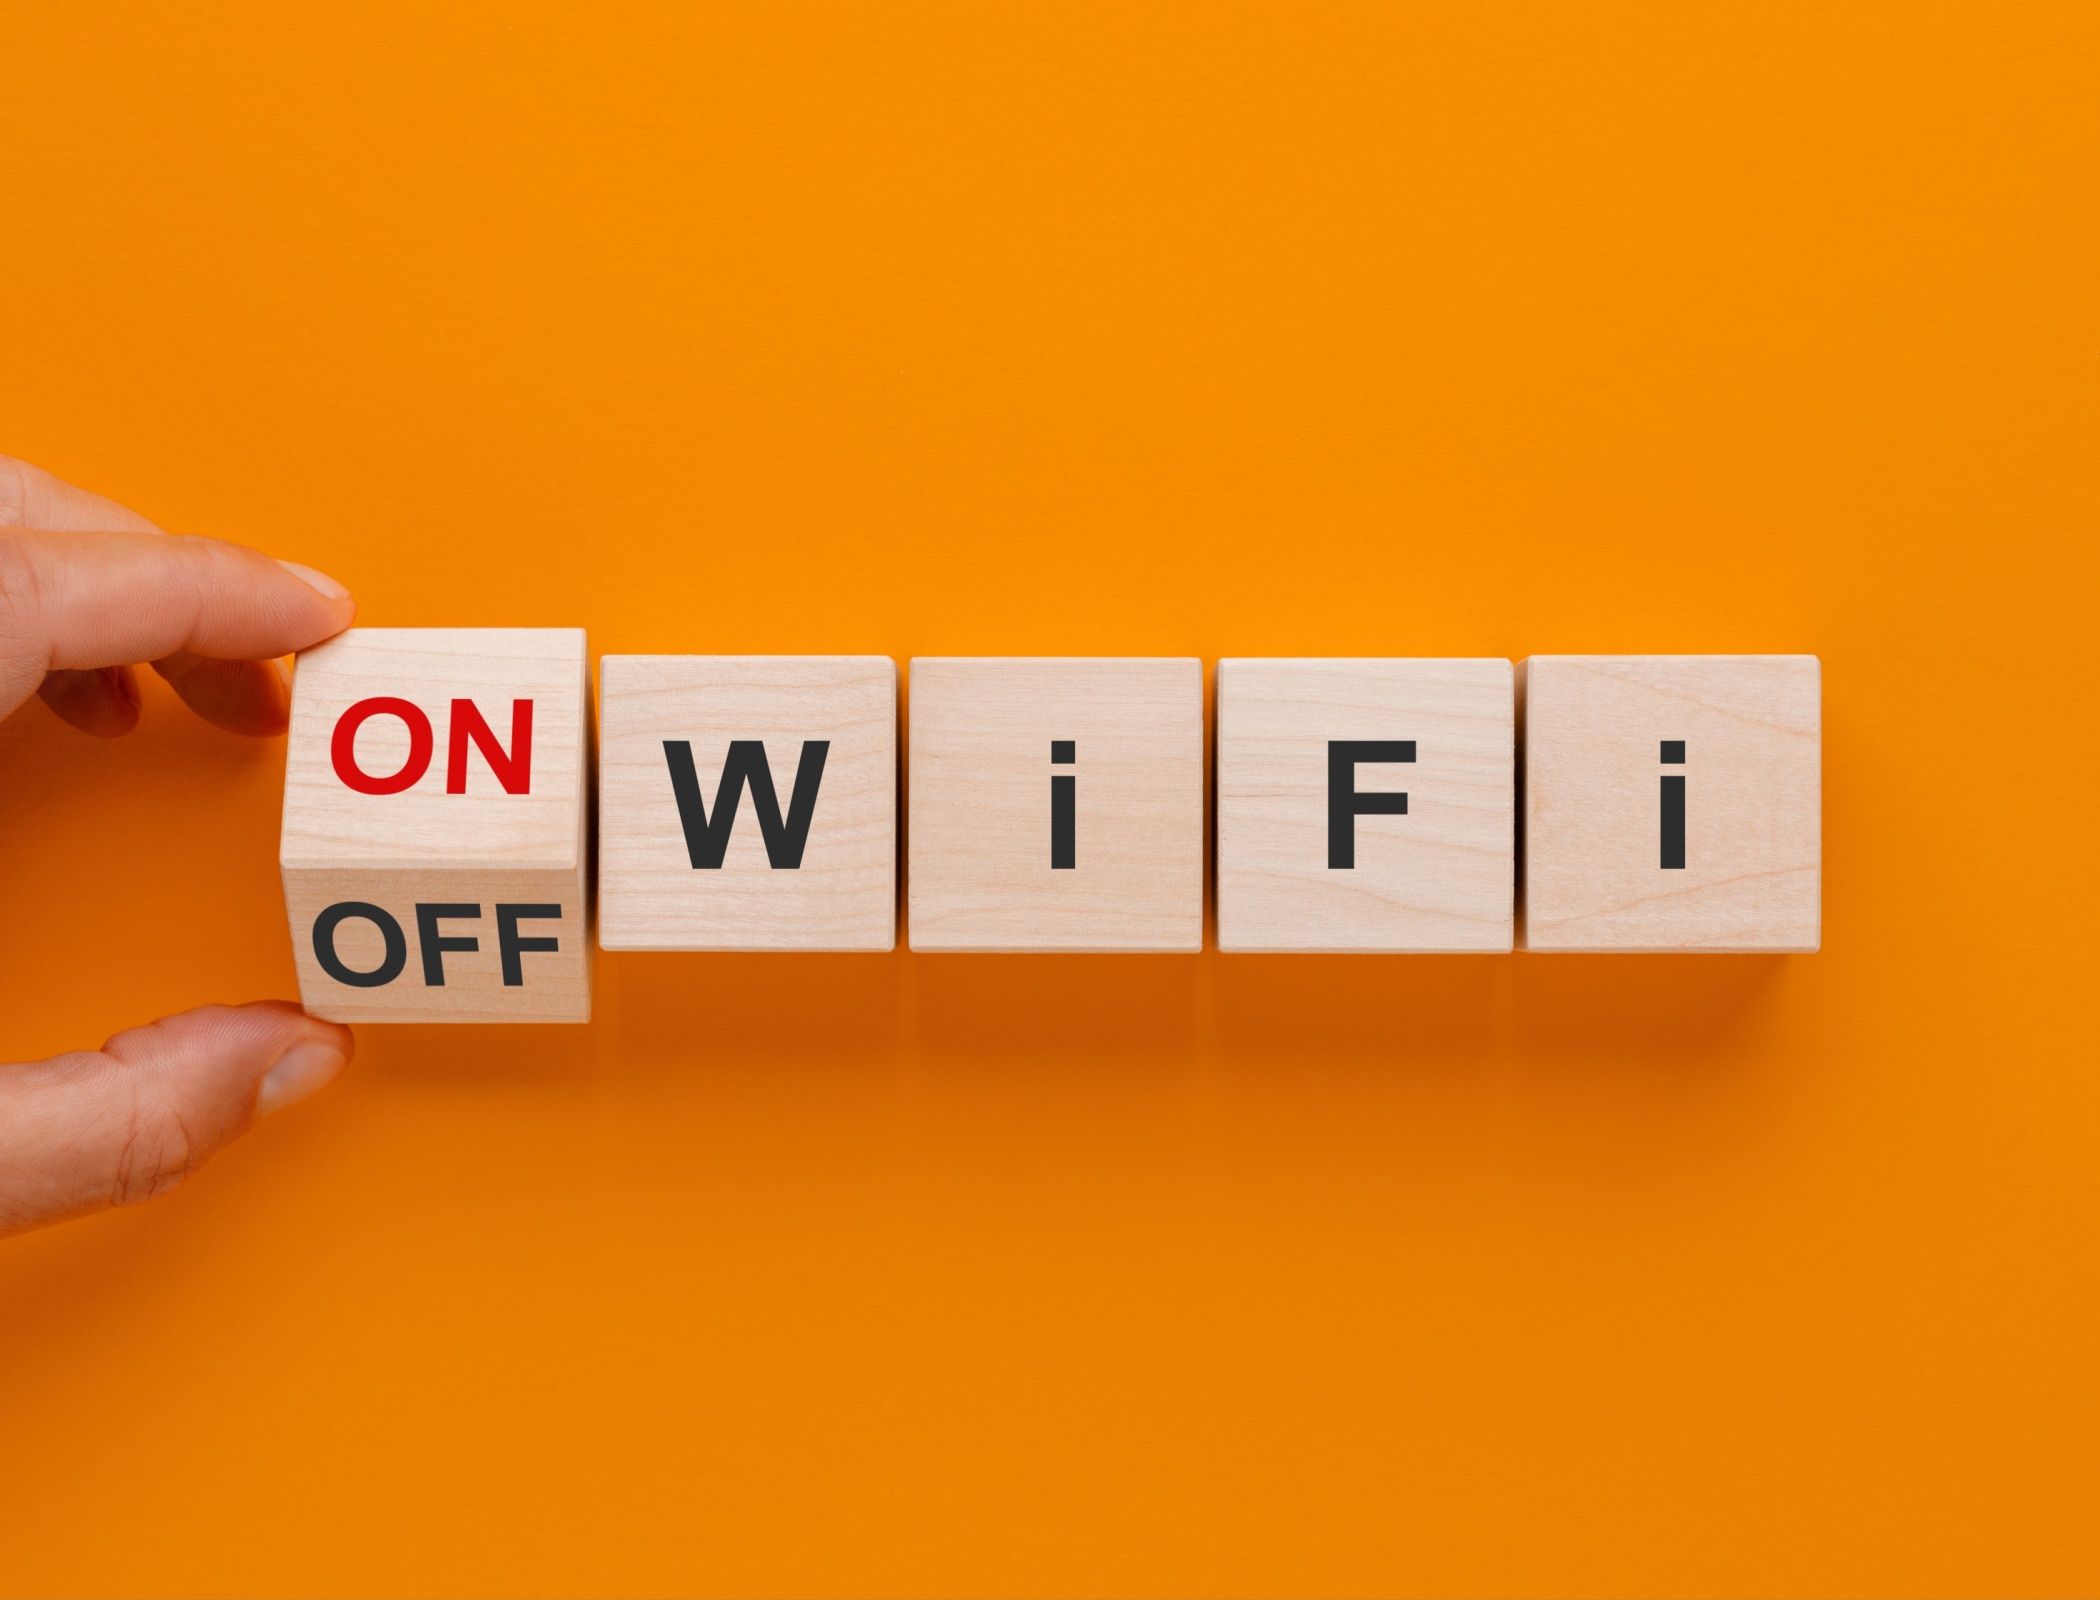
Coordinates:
1291 329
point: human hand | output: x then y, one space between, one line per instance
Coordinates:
88 589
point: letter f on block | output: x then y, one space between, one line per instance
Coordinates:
707 837
1345 805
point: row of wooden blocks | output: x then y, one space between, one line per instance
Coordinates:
437 817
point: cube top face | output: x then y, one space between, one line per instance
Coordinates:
435 805
376 774
747 803
1056 804
1673 803
1317 758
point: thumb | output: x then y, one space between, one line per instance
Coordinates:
122 1124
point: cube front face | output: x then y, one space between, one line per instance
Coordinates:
1316 761
747 803
1672 803
1056 804
433 850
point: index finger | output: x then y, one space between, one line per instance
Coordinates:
105 600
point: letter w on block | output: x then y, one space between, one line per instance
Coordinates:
707 838
808 876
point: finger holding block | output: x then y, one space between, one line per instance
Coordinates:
1672 803
433 850
1366 805
747 803
1056 804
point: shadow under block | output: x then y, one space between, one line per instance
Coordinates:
433 851
1672 803
747 803
1304 864
1056 804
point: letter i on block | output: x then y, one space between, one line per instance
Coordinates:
1672 803
1056 804
1366 805
434 813
747 803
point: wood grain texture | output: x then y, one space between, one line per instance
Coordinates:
1439 878
980 804
482 847
842 895
1593 730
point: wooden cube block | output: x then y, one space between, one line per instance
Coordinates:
1672 802
1366 805
434 815
1056 804
747 803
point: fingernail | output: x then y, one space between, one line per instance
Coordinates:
318 581
305 1069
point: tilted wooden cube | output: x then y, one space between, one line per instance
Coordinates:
434 850
1366 805
1672 803
1056 804
747 803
